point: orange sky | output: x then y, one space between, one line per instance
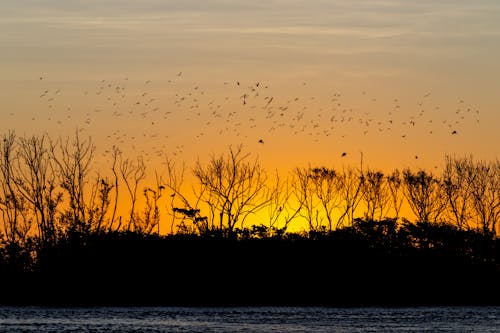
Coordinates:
389 79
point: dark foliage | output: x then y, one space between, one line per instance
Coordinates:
371 263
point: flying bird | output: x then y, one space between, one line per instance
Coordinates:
269 102
343 154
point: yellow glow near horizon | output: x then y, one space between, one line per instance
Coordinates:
388 80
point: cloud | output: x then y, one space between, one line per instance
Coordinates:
364 18
250 28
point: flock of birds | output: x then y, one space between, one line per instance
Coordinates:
170 116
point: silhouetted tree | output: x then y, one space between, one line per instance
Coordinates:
424 195
47 189
350 187
151 219
73 159
233 187
484 180
36 182
16 221
180 208
322 191
132 173
375 195
394 185
98 205
302 190
281 210
325 186
457 189
192 222
381 233
115 154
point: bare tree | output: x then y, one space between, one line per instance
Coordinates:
484 179
302 190
36 181
98 204
73 159
16 222
317 191
132 173
280 207
350 185
457 189
115 154
325 187
375 194
394 185
423 193
151 217
179 207
325 184
235 187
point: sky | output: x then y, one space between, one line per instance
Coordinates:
297 82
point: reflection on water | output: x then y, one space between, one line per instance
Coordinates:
251 319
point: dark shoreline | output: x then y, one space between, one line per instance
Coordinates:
340 268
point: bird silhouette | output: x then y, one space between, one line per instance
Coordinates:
254 111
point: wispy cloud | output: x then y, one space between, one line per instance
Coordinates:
261 27
374 18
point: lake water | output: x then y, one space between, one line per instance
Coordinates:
249 319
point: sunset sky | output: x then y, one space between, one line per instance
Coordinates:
403 82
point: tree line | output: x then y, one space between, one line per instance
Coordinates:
49 189
68 228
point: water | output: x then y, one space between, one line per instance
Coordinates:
251 319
